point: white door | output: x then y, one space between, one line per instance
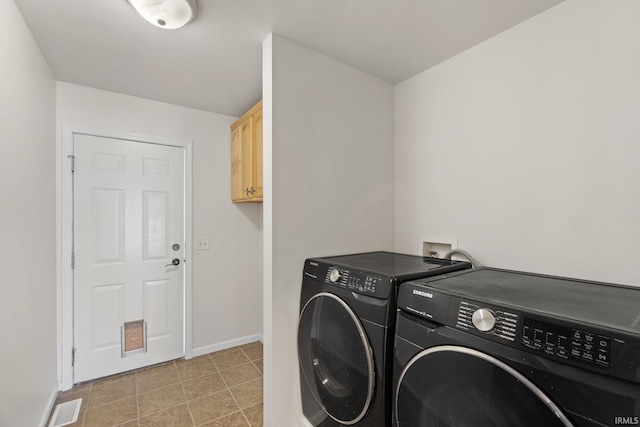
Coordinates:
128 227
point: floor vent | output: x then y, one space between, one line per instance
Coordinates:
66 413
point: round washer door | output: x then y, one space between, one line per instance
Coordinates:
335 358
451 386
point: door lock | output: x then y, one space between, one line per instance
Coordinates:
174 261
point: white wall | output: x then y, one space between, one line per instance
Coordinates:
328 190
525 147
226 279
27 225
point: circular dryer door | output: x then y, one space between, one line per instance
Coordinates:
449 386
335 358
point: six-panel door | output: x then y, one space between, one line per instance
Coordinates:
128 215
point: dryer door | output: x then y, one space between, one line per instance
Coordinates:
449 386
335 358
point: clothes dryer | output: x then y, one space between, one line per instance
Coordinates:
500 348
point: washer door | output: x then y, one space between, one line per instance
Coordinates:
449 386
335 358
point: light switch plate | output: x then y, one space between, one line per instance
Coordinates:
202 243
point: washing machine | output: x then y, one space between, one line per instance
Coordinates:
345 334
490 347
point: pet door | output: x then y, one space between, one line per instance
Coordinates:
133 338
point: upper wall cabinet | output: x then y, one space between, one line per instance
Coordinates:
246 156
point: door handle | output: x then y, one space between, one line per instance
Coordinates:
175 261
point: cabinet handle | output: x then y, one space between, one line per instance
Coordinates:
247 191
252 190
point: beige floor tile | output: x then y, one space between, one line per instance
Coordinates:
77 388
105 391
255 415
258 364
226 350
112 414
112 378
240 374
211 407
248 394
203 386
157 377
229 359
193 359
178 394
250 344
160 399
188 369
174 417
253 351
233 420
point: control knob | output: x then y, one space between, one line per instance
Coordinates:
483 319
334 275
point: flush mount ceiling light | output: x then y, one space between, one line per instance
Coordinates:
168 14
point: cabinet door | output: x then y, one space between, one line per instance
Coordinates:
257 155
237 189
246 138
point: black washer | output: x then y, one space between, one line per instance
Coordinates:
345 334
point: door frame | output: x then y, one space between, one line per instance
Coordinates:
65 291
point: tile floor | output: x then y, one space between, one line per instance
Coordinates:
222 389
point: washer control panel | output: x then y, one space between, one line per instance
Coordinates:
357 281
566 340
496 322
567 343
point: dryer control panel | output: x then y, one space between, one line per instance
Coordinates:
503 325
529 313
559 340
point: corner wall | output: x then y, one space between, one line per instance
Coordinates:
27 226
227 294
525 147
328 185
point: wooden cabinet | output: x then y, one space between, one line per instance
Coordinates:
246 156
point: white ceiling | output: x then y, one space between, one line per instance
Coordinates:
215 62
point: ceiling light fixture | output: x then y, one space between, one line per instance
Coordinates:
168 14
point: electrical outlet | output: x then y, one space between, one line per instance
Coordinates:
437 247
202 243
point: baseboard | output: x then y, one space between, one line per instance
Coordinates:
303 422
225 345
49 407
